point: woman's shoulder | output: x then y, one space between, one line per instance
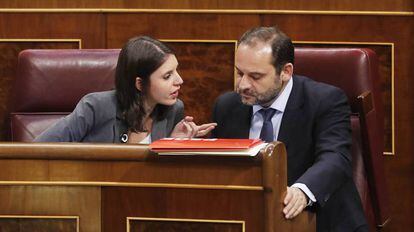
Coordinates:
101 103
100 97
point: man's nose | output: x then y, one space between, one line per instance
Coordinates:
244 82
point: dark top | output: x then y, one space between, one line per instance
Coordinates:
316 131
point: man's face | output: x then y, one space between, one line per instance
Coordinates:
257 81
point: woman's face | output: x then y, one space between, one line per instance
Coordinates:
165 83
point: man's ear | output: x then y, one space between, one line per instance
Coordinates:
138 83
287 72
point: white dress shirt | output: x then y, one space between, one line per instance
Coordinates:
257 122
146 140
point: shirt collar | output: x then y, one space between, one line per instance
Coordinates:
280 103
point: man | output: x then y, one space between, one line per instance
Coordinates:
312 119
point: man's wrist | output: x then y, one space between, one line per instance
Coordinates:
309 195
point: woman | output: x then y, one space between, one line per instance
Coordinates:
143 107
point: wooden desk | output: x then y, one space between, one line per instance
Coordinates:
109 187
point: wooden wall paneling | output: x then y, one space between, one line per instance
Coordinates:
163 203
121 27
177 224
400 170
39 223
27 200
207 68
89 27
173 4
193 172
9 51
155 4
356 5
60 4
346 28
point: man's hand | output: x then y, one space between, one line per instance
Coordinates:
295 201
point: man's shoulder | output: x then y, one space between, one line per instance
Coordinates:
228 98
315 88
311 82
229 103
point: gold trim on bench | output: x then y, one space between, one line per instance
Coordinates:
128 219
132 184
204 11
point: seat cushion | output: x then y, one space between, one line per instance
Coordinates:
26 126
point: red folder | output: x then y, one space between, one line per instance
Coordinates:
177 144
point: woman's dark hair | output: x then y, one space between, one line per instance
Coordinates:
140 57
283 51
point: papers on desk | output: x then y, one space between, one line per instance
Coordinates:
225 147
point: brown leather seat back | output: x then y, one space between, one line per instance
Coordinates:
49 84
355 70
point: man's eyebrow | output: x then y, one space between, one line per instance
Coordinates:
250 73
256 74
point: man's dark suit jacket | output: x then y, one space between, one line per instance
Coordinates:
316 131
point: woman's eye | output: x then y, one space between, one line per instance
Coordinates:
166 77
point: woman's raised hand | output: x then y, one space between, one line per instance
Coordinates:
186 128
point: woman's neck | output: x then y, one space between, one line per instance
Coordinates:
149 108
147 120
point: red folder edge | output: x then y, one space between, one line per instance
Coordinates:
169 144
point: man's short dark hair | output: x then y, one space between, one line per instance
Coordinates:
283 51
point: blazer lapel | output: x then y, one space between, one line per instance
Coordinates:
158 129
293 113
120 127
241 119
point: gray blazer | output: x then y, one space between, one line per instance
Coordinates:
97 120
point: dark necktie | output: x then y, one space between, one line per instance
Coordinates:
267 130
